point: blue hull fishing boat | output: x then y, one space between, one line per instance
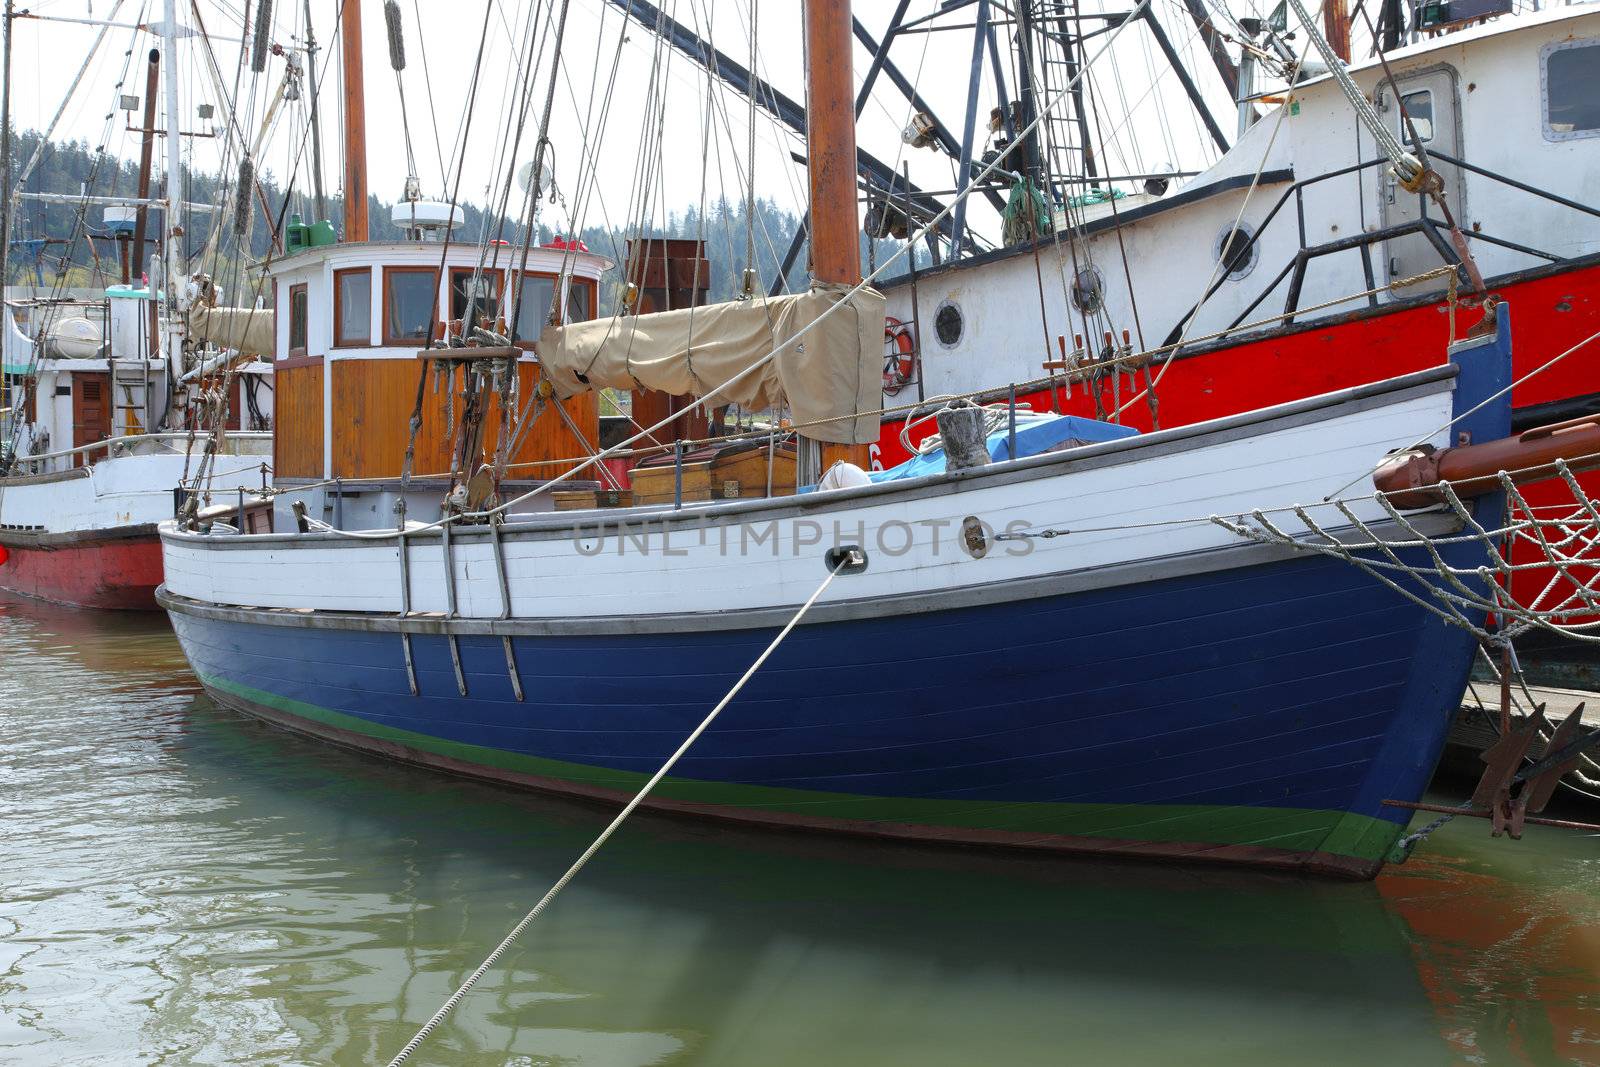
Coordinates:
1111 679
1082 649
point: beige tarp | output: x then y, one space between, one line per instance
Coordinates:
250 330
833 372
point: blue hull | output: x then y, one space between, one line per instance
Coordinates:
1262 713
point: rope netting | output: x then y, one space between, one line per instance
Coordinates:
1538 569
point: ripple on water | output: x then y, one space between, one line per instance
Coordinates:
184 886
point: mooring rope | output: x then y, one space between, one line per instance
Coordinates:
845 559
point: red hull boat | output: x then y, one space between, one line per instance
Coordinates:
106 569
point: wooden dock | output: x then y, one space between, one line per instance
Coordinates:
1477 724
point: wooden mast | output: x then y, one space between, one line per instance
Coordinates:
1336 27
831 143
831 164
147 147
355 124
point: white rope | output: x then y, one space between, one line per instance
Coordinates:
1566 547
605 835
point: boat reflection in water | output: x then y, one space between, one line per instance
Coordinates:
200 886
1508 958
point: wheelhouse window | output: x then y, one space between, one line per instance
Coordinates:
1419 109
580 301
534 309
1571 78
408 304
298 313
479 290
352 307
538 293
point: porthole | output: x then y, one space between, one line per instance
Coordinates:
1088 290
1236 251
947 324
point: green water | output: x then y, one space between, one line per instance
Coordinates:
180 885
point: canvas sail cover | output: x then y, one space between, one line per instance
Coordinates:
831 378
250 330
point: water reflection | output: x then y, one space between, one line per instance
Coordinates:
189 886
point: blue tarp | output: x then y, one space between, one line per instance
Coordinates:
1035 434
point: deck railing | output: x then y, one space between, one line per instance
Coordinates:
1362 243
235 443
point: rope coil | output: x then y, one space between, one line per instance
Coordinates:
397 41
262 37
242 205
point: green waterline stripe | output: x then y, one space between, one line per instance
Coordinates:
1291 829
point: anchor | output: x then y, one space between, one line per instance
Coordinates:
1497 796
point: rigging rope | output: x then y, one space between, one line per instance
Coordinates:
397 63
505 506
845 559
1406 166
1572 541
750 176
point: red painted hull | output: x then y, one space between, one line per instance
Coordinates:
1552 310
109 570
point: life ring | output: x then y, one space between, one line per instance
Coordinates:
899 355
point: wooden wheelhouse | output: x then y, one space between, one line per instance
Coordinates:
351 322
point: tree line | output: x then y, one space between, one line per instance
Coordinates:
68 245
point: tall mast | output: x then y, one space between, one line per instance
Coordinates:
5 155
355 124
173 241
831 168
311 88
831 143
1336 27
147 147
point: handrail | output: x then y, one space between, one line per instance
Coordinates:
106 443
1364 240
1513 183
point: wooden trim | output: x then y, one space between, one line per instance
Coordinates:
291 362
389 340
305 341
340 341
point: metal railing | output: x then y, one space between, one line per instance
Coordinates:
1295 269
52 462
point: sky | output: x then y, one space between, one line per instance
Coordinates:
658 141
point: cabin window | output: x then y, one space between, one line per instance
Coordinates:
534 310
481 290
1419 109
538 291
580 301
408 304
297 320
352 307
1571 76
